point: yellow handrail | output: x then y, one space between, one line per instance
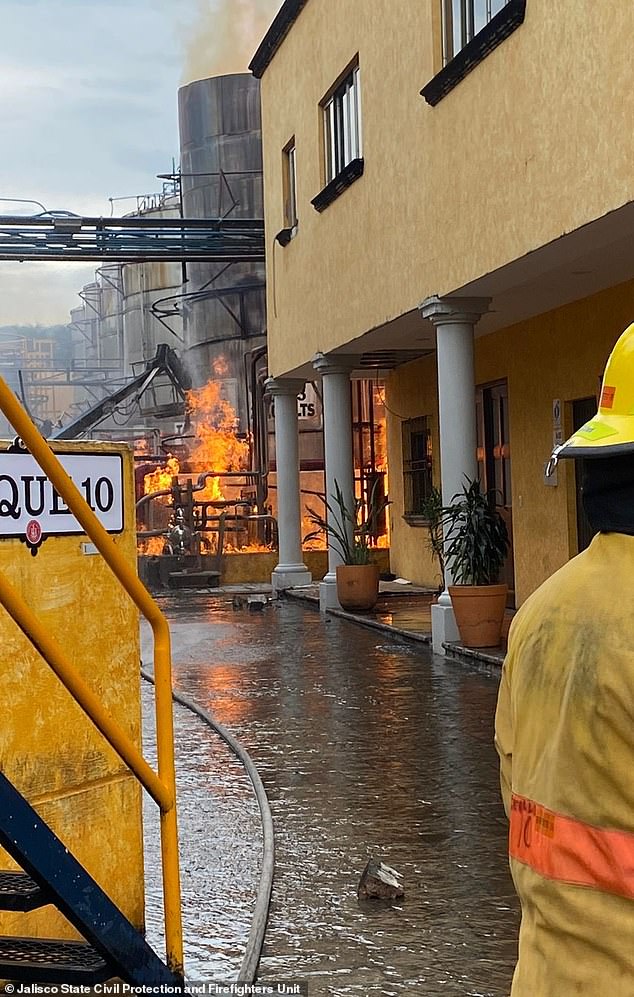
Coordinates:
80 691
128 578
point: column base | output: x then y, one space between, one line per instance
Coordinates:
328 595
443 627
288 576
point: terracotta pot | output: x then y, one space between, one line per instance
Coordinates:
479 611
357 586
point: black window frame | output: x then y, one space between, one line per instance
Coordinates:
417 466
341 117
480 45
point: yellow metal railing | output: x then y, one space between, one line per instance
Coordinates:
162 787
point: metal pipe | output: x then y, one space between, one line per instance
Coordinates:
127 576
150 495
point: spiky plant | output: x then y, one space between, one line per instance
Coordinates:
477 538
431 508
349 529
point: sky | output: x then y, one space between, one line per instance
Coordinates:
88 112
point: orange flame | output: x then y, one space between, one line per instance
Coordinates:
248 548
161 479
152 546
216 447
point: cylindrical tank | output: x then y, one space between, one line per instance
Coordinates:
221 175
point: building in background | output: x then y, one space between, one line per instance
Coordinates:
459 216
35 365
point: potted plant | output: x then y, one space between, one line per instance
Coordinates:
476 546
351 531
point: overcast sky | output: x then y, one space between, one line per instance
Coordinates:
88 98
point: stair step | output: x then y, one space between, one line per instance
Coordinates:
49 960
19 892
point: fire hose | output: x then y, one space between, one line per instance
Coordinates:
255 941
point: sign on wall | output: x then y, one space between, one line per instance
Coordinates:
32 510
307 403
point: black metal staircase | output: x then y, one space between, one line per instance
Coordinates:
51 875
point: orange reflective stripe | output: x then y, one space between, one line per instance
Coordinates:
568 850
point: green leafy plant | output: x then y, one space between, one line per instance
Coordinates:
350 529
432 510
477 538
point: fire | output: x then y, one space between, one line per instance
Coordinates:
317 543
220 367
161 479
248 548
152 546
216 447
380 445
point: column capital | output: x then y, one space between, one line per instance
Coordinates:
441 311
335 363
275 386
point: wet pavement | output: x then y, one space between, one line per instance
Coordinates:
367 747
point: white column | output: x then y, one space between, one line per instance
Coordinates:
337 403
291 570
454 319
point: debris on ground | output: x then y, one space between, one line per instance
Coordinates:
380 881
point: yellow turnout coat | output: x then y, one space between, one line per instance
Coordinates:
565 737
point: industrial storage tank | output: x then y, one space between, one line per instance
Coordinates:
223 307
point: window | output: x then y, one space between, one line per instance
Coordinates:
342 125
471 30
290 185
417 464
462 19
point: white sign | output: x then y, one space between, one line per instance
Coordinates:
307 403
30 508
558 436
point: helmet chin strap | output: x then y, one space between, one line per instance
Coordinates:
554 459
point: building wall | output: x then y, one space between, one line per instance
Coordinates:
559 355
528 147
411 391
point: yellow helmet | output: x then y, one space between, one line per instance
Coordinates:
611 431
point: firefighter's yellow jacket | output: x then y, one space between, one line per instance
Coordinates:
565 736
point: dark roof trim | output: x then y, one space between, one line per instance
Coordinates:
282 24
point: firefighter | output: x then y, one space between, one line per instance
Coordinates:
565 730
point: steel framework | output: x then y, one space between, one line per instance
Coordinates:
131 240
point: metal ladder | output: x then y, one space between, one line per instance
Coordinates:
51 875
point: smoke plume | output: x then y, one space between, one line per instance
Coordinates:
224 36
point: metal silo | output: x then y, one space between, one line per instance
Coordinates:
221 176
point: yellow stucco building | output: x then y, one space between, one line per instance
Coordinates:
448 198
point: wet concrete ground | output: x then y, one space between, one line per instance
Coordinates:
366 747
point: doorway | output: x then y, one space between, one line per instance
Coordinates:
583 409
494 462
